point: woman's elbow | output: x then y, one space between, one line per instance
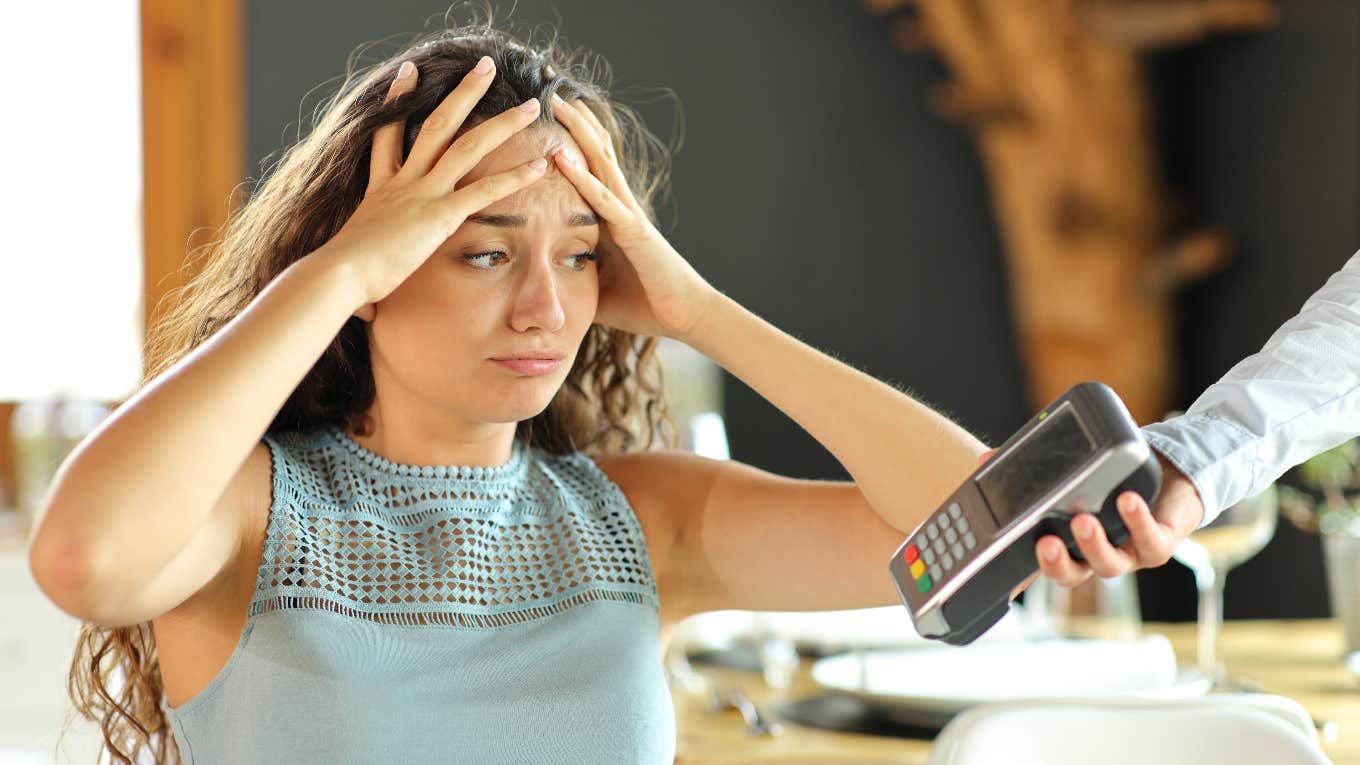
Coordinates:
60 566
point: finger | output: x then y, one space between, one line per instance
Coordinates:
986 455
603 166
1152 542
472 146
572 115
437 132
1104 559
1056 564
600 198
385 158
486 191
601 133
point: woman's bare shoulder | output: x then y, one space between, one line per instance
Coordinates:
668 478
665 487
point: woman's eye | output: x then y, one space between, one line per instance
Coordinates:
489 260
484 259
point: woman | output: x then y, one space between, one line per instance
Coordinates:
388 492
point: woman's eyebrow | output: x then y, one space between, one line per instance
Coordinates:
519 221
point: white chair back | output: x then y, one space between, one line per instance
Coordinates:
1226 729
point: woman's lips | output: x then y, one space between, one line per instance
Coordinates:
529 366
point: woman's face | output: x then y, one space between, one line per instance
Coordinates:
510 281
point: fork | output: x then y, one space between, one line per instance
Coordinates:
722 697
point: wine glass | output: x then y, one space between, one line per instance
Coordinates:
1236 535
1097 609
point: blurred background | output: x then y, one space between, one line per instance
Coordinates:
1176 176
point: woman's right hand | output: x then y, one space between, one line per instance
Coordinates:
410 208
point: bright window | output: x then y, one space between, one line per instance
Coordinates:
71 244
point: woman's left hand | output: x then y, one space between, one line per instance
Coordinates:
646 287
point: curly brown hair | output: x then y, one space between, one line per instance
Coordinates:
611 401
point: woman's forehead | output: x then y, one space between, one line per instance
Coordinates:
550 200
552 195
523 147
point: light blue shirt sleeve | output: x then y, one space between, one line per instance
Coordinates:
1298 396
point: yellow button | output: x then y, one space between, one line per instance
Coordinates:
917 569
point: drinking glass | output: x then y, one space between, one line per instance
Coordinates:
751 639
1097 609
1236 535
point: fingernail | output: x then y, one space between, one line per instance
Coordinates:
483 65
529 106
1125 505
558 99
1085 531
538 164
405 71
1050 553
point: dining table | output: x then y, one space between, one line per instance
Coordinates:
1302 659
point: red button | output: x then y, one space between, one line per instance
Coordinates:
912 553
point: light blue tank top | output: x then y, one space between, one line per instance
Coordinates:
440 614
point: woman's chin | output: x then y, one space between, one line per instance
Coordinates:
517 408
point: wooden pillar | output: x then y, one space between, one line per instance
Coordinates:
193 113
1053 92
193 109
9 475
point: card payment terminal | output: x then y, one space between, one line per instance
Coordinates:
956 571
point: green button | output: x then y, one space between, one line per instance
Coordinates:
924 583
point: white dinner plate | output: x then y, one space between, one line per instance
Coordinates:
949 679
823 632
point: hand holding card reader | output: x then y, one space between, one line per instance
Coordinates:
956 571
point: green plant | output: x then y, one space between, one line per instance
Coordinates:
1327 497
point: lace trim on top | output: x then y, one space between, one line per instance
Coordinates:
457 472
357 534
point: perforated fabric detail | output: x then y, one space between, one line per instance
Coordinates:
354 533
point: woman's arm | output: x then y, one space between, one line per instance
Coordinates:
139 488
903 456
746 538
159 480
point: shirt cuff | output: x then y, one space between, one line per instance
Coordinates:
1215 454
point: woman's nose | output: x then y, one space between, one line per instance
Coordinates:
537 305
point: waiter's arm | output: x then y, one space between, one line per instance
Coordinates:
1296 397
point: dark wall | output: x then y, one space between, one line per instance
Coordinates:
1262 135
816 187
